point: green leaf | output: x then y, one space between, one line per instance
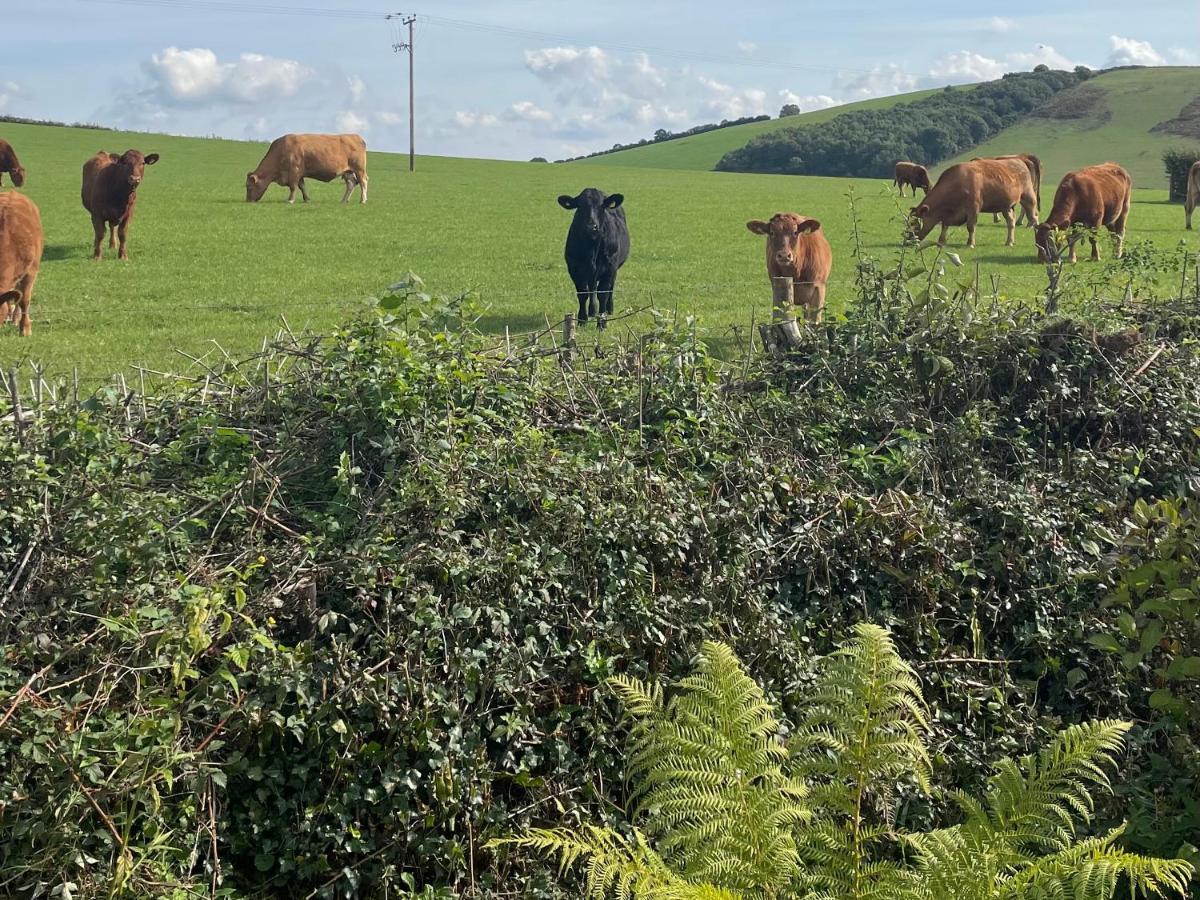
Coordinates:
1105 642
1184 667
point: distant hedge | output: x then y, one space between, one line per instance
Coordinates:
1178 162
868 142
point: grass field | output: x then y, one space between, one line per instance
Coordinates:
207 267
702 151
1135 101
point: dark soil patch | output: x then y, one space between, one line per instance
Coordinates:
1083 102
1186 124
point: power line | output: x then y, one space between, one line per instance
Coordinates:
467 25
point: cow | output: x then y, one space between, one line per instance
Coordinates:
10 164
324 157
1193 192
21 243
597 246
797 249
109 193
1034 165
1094 196
913 174
967 189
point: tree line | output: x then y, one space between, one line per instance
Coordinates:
663 134
868 142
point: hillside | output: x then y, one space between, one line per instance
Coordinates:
1111 116
1108 117
703 150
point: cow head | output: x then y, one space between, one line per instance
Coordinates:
256 186
591 206
18 176
783 231
1047 239
920 222
132 165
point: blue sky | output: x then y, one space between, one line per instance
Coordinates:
541 77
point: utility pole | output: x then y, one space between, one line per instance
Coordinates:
402 47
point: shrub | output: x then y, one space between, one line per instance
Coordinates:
1178 162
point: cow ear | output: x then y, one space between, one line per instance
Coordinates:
614 200
758 226
114 157
567 202
809 225
920 210
151 159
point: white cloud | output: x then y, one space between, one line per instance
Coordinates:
999 25
965 66
10 91
1181 56
807 102
1131 52
392 118
528 111
747 46
881 81
198 77
467 119
358 88
350 121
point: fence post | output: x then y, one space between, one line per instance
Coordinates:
568 335
783 333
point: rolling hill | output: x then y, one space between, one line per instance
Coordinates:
702 151
1111 116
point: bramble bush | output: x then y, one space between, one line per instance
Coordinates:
325 622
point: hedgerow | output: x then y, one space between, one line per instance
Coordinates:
325 622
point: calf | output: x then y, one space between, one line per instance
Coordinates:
965 190
21 242
797 249
912 174
1095 196
1193 192
109 193
597 246
10 164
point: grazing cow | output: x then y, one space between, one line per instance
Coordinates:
294 157
1095 196
21 241
10 164
1193 192
1034 165
965 190
109 193
913 174
797 249
597 246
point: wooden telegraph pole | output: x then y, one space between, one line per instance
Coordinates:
402 47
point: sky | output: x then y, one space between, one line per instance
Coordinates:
550 78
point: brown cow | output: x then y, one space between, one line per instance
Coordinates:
913 174
1034 165
1193 192
10 164
1095 196
109 193
294 157
21 242
965 190
797 249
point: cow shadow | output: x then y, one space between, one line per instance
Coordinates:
59 252
523 324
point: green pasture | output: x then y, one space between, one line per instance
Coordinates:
210 273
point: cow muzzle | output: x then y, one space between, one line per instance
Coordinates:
784 258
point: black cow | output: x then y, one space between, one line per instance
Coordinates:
597 245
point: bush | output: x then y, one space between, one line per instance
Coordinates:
329 620
868 142
1178 162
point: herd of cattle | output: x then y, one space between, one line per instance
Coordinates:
598 239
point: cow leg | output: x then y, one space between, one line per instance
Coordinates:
942 236
812 298
348 177
98 226
303 192
1012 228
972 221
291 193
112 236
604 288
22 311
583 291
123 234
362 186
